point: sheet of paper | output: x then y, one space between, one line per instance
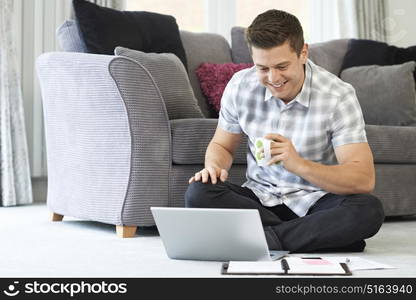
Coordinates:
266 267
356 263
314 266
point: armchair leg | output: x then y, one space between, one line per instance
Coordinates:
126 231
54 217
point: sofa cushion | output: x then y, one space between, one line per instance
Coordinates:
103 29
390 144
170 76
368 52
386 93
190 139
69 39
213 79
328 55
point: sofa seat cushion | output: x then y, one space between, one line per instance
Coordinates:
390 144
190 139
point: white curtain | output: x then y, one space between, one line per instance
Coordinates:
36 26
16 185
336 19
371 19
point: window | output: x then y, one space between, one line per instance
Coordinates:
220 15
189 14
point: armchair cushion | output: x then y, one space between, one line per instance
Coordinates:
386 93
170 77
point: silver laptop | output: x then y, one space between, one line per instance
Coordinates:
211 234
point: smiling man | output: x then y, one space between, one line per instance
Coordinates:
318 198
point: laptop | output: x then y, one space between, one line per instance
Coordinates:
216 234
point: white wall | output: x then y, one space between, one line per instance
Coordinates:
401 22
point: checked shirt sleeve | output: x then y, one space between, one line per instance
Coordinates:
347 123
228 116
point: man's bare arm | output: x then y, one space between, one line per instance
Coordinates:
218 157
354 173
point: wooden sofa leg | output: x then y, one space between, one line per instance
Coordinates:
56 217
126 231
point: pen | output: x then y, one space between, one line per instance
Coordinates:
285 265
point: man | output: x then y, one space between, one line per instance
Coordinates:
317 198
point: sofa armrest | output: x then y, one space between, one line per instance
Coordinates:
151 159
99 142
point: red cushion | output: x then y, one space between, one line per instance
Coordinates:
214 77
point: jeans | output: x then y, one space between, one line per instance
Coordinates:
335 223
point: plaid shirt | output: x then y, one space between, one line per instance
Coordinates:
324 115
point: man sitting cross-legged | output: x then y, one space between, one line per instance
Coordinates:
317 198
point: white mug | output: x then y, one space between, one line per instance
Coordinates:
265 144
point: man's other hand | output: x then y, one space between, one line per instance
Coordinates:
210 172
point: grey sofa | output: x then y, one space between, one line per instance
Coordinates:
113 152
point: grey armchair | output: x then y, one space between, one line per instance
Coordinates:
113 153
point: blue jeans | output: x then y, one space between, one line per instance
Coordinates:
335 223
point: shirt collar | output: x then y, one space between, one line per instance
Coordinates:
303 97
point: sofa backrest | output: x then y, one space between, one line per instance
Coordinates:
328 55
200 48
214 48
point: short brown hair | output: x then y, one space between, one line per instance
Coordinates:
273 28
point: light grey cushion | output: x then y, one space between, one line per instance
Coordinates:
69 39
386 93
172 80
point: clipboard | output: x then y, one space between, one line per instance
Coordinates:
290 266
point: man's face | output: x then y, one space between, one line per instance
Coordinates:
281 70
